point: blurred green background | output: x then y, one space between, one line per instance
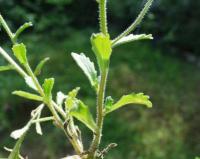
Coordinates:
167 69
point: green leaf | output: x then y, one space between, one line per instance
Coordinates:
40 66
109 102
28 95
6 68
21 29
15 152
133 98
81 112
102 47
20 52
30 83
48 86
88 68
71 100
131 38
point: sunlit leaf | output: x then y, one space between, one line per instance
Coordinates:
20 52
60 98
83 114
102 47
133 98
30 83
28 95
40 66
72 157
48 86
20 132
71 100
133 37
88 68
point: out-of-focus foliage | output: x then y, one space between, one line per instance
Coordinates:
175 24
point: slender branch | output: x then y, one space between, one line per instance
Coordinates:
135 23
7 29
100 114
103 16
43 119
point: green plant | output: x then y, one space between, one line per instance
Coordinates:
67 106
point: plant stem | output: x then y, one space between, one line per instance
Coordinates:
7 29
103 16
13 63
135 23
100 115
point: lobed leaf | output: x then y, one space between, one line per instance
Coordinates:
88 68
20 52
28 95
133 98
83 114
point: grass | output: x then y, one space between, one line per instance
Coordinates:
159 133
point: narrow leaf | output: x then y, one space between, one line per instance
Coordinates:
6 68
133 98
83 114
48 86
40 66
132 37
88 68
30 83
20 52
71 100
38 126
20 132
15 152
28 95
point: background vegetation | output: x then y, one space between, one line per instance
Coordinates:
166 68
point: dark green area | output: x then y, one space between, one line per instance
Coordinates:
170 130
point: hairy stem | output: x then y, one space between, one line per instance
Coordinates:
103 16
100 115
135 23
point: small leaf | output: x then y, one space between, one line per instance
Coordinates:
83 114
108 103
6 68
20 52
71 100
133 98
15 154
38 126
21 29
48 86
102 47
30 83
131 38
28 95
20 132
60 98
40 66
88 68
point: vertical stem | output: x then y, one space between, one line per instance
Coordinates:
100 114
103 16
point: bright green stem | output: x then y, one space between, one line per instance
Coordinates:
136 22
103 16
7 29
100 115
